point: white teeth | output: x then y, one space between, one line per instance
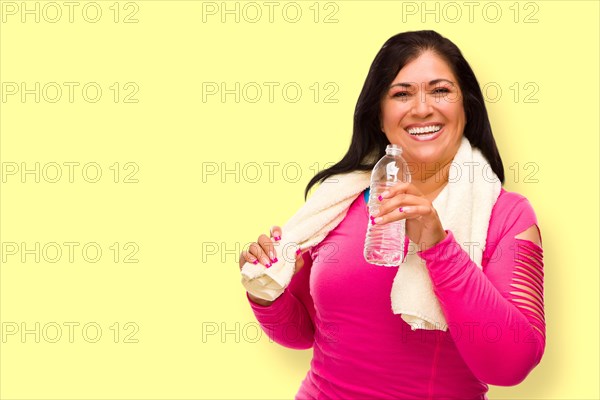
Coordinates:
424 129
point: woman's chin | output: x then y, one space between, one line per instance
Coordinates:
426 158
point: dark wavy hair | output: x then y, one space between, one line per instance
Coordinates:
368 142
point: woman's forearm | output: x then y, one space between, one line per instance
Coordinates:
500 343
286 321
258 300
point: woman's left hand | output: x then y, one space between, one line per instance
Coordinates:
423 226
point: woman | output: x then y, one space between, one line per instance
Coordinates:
421 95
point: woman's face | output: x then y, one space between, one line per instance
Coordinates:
422 112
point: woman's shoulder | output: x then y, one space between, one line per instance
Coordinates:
510 200
512 211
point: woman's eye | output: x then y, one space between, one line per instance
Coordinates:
400 94
441 91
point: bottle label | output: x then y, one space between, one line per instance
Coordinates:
392 172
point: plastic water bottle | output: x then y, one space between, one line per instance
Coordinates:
384 244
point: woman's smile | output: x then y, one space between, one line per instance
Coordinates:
425 131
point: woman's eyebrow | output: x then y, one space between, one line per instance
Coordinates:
431 83
436 81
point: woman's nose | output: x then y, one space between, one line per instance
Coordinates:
421 107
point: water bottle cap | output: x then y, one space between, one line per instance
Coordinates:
393 150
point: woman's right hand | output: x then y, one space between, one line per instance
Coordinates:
263 251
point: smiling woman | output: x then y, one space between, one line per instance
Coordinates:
422 112
420 94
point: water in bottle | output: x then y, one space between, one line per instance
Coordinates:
384 243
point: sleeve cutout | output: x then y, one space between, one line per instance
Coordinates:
532 234
527 284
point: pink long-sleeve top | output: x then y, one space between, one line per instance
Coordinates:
340 305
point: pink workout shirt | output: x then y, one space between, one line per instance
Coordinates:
340 305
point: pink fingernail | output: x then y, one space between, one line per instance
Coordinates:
255 262
268 265
298 251
379 198
400 209
277 238
274 260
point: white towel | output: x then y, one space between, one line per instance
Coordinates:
464 206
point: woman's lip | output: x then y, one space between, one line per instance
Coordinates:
426 139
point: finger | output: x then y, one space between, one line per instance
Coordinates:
276 232
392 204
408 212
400 187
300 253
245 257
268 247
416 211
258 252
299 263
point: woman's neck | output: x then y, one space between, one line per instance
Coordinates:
431 179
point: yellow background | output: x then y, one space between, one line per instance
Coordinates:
189 225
